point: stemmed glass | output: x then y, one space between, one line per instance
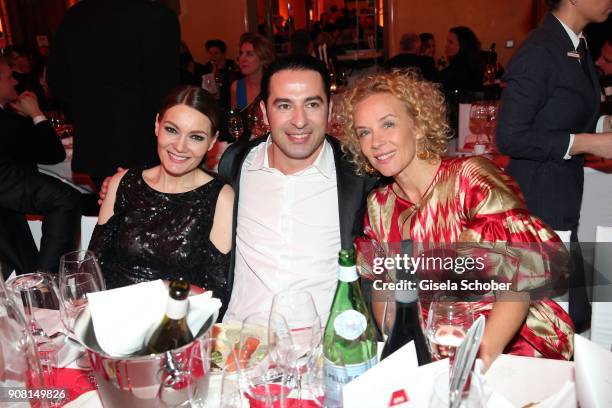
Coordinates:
478 121
448 321
235 126
38 294
298 309
79 274
264 348
19 352
491 124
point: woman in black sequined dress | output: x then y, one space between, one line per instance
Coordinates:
172 220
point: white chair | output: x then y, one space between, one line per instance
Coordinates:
87 226
601 318
36 229
563 300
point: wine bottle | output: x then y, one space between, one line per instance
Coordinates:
349 343
173 331
406 327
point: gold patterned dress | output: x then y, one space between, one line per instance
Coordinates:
473 201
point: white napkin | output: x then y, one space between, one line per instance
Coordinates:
565 398
123 317
593 365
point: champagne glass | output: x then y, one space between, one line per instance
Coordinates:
235 126
447 324
263 349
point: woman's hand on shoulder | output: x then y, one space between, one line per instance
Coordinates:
110 185
221 232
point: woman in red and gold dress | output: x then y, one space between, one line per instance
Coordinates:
396 126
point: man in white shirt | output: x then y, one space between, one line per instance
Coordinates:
298 202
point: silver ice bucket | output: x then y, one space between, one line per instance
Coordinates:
156 380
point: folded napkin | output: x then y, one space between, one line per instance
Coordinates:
123 317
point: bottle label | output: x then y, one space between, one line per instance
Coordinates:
350 324
347 273
176 309
336 376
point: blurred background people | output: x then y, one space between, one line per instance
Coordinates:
465 70
410 57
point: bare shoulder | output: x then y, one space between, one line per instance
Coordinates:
107 209
226 197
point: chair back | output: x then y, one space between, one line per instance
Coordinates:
601 318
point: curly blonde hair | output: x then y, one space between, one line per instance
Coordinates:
425 105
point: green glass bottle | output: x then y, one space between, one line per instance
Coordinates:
173 331
349 344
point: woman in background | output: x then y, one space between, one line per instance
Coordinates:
255 54
465 70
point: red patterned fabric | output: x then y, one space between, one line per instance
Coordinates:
471 200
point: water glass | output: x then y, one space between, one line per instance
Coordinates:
264 348
206 369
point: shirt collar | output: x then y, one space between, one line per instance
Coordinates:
324 162
572 35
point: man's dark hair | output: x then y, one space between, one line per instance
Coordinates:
294 63
215 43
553 4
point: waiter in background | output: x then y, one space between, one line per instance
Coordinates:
547 117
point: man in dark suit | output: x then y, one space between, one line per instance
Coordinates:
23 191
111 63
298 201
28 139
547 117
410 46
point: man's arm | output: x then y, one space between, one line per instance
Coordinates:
40 137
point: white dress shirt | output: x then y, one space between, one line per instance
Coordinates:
287 235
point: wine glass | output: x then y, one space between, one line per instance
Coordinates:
79 274
491 124
300 313
234 123
447 324
263 349
478 121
